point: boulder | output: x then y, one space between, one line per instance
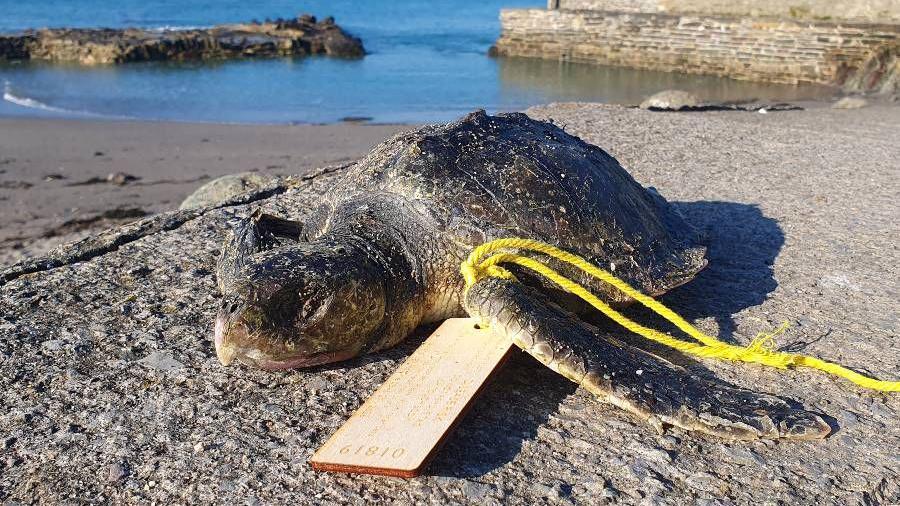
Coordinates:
850 103
223 188
671 100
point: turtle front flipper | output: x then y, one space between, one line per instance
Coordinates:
252 234
634 380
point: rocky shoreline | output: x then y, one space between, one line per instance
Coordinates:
301 36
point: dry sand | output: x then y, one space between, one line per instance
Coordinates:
52 172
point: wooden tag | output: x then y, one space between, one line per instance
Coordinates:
399 428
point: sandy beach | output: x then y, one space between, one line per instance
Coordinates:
53 173
114 392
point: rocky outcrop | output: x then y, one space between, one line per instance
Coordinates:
293 37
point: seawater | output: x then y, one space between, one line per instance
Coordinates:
427 62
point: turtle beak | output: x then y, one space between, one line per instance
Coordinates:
224 351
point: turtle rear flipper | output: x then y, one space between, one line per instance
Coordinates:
253 234
634 380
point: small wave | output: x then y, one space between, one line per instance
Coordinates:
31 103
177 28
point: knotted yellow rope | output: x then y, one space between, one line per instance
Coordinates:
761 350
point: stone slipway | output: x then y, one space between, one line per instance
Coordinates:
111 390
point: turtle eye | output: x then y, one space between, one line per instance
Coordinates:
228 306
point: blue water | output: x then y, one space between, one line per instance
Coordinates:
427 62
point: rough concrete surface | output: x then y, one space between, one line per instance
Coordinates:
111 390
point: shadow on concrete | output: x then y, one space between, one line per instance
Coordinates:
519 400
742 247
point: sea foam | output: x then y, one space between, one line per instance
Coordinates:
30 103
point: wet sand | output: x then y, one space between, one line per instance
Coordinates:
53 173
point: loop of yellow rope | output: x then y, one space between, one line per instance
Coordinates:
760 350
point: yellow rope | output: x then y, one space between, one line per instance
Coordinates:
761 350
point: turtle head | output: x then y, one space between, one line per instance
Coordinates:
301 307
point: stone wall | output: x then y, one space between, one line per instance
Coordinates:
876 11
766 50
611 5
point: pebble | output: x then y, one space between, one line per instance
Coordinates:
316 384
652 453
594 486
743 456
476 492
848 418
669 442
117 471
52 345
541 489
556 491
161 361
704 481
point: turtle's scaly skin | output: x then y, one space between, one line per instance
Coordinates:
632 379
381 255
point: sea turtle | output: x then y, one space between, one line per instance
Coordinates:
381 255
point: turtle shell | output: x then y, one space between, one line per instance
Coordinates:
488 177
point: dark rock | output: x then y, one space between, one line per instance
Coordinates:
284 37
